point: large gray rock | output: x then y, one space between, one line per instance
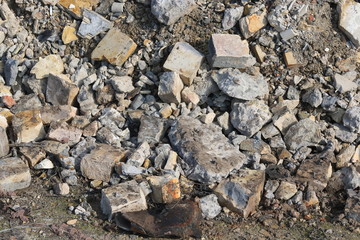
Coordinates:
351 119
240 85
93 24
169 11
349 20
14 174
11 71
152 129
249 117
303 134
231 17
208 156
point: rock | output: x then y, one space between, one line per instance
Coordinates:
344 156
152 129
344 83
60 90
93 24
14 174
315 171
208 118
60 113
50 64
288 34
255 145
3 121
240 85
28 127
75 7
170 87
165 189
62 132
349 11
229 51
124 169
356 156
209 206
137 158
117 7
208 156
352 208
250 24
8 101
170 11
259 53
68 35
4 143
11 71
302 134
122 84
351 119
27 102
344 134
242 193
61 189
290 60
124 197
311 198
284 119
286 190
86 100
116 47
44 165
350 177
185 60
231 16
313 97
249 117
99 163
270 187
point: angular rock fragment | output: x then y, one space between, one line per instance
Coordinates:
116 47
302 134
344 156
313 97
49 64
60 90
284 119
57 113
240 85
189 96
165 189
170 87
356 156
349 20
33 155
250 24
44 165
86 100
99 163
207 154
351 119
124 197
137 158
93 24
11 71
290 60
352 208
62 132
231 16
14 174
122 84
4 143
28 126
285 191
185 60
75 7
68 35
249 117
229 51
61 189
169 11
152 129
209 206
242 193
345 83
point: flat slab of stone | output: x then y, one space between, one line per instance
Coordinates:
250 24
240 85
75 7
349 20
208 156
60 90
28 126
169 11
4 142
116 47
93 24
14 174
49 64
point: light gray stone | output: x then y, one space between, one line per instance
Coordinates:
351 119
169 11
93 24
231 17
138 157
313 97
4 143
344 83
44 164
209 206
170 87
152 129
122 84
349 20
14 174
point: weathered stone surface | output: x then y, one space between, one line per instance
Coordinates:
116 47
349 11
285 191
169 11
33 155
209 206
259 53
207 154
351 119
57 113
44 165
60 90
62 132
124 197
165 189
302 134
27 102
152 129
14 174
352 207
313 97
49 64
93 24
231 16
290 60
122 84
61 189
284 119
4 142
137 158
255 145
242 193
86 100
98 164
170 87
229 51
249 117
185 60
11 71
356 156
68 35
250 24
28 126
240 85
189 96
344 157
345 83
75 7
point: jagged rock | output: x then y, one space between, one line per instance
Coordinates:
169 11
249 117
4 143
242 193
50 64
250 24
122 84
240 85
138 157
344 156
351 119
28 126
62 132
165 189
14 174
86 100
349 11
152 129
170 87
68 35
313 97
57 113
93 24
286 190
44 164
207 154
284 119
209 206
231 16
27 102
60 90
11 71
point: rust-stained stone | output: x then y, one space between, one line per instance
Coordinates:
28 126
75 7
165 189
116 47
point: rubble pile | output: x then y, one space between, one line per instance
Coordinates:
263 111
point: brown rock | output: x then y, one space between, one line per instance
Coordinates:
189 96
28 126
69 35
61 113
14 174
62 132
286 190
33 154
75 7
50 64
60 90
290 60
4 143
250 24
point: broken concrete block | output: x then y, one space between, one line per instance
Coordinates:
14 174
152 129
28 126
68 35
165 189
208 156
349 20
49 64
242 193
209 206
4 143
64 133
170 87
60 90
93 24
124 197
137 158
229 51
185 60
116 47
75 7
290 60
286 190
169 11
98 164
250 24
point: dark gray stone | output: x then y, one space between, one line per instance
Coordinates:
11 71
